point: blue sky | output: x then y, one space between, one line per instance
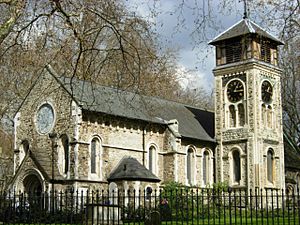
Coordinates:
177 29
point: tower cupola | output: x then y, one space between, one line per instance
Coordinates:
243 41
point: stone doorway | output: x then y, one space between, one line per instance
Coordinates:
32 184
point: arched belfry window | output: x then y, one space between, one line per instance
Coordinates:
236 166
190 166
269 116
241 112
263 114
152 159
95 158
232 116
270 165
66 153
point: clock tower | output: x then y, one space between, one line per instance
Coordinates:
248 109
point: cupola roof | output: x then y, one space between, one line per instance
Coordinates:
244 27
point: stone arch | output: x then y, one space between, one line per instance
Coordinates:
113 193
148 192
63 160
31 182
270 164
152 153
95 158
190 164
235 160
207 166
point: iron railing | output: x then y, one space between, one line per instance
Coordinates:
177 206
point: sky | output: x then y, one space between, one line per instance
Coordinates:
176 28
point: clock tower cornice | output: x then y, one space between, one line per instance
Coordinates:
244 66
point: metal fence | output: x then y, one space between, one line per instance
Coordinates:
178 206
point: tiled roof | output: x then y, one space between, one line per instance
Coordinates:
130 169
193 122
243 27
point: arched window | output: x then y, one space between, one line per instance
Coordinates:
269 116
113 193
241 111
206 167
270 165
93 155
152 159
148 192
95 158
190 166
66 153
232 116
236 166
263 114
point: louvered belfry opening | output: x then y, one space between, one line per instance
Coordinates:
233 51
244 48
244 41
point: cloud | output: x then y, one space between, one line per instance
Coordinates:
193 79
176 25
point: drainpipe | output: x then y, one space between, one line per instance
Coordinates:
144 142
53 137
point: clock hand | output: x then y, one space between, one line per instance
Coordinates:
238 90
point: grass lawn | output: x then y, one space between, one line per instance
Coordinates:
242 221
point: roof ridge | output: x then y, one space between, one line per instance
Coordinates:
225 31
97 85
244 27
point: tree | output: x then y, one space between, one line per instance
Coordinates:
290 63
98 41
6 159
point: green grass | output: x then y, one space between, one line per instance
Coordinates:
228 221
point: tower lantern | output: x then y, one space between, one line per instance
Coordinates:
244 41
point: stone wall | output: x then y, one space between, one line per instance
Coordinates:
118 137
254 138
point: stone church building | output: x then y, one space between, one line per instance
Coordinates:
79 135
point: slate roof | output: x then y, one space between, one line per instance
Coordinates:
193 122
243 27
130 169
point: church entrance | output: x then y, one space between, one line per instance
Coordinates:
32 184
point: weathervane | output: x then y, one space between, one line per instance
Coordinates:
245 9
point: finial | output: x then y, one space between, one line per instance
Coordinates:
245 10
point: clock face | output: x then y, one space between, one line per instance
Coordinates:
45 119
235 91
266 91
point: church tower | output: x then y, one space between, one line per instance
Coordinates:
248 109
